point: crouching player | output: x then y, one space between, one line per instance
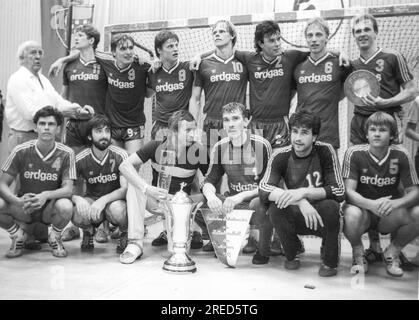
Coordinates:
308 204
169 175
105 188
243 157
382 191
46 172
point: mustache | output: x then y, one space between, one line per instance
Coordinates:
363 38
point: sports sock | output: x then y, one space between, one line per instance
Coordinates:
393 250
358 250
376 246
13 229
56 231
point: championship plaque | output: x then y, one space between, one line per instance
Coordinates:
227 233
359 84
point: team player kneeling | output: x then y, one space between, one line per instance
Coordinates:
380 180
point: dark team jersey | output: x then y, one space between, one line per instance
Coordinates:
126 92
173 90
391 70
320 169
379 178
223 81
319 89
244 165
184 168
271 83
37 172
101 176
86 83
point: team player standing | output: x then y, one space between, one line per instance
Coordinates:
308 163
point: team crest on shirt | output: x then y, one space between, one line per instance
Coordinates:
131 75
365 170
213 71
30 165
91 173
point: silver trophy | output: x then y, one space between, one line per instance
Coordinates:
180 213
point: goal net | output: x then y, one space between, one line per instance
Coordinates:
398 29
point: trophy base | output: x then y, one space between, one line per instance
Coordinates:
179 263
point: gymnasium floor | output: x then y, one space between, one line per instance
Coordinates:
38 275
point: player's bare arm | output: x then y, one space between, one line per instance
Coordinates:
150 93
127 168
231 202
409 200
66 190
58 64
82 205
214 203
64 92
406 95
196 59
293 196
353 197
411 131
7 194
411 126
119 194
310 214
195 102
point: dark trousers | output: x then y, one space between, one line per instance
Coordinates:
417 161
265 228
290 223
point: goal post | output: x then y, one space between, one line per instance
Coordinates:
398 29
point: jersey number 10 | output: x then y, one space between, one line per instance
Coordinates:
237 67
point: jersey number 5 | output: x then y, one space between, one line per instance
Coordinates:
394 166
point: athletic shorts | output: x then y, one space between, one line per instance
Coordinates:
76 133
96 224
38 215
128 134
159 131
213 132
359 134
374 221
276 132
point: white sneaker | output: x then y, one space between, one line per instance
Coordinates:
132 252
18 240
359 264
57 246
392 264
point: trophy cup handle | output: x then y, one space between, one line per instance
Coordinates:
196 208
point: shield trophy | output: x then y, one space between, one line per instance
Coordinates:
359 84
180 212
